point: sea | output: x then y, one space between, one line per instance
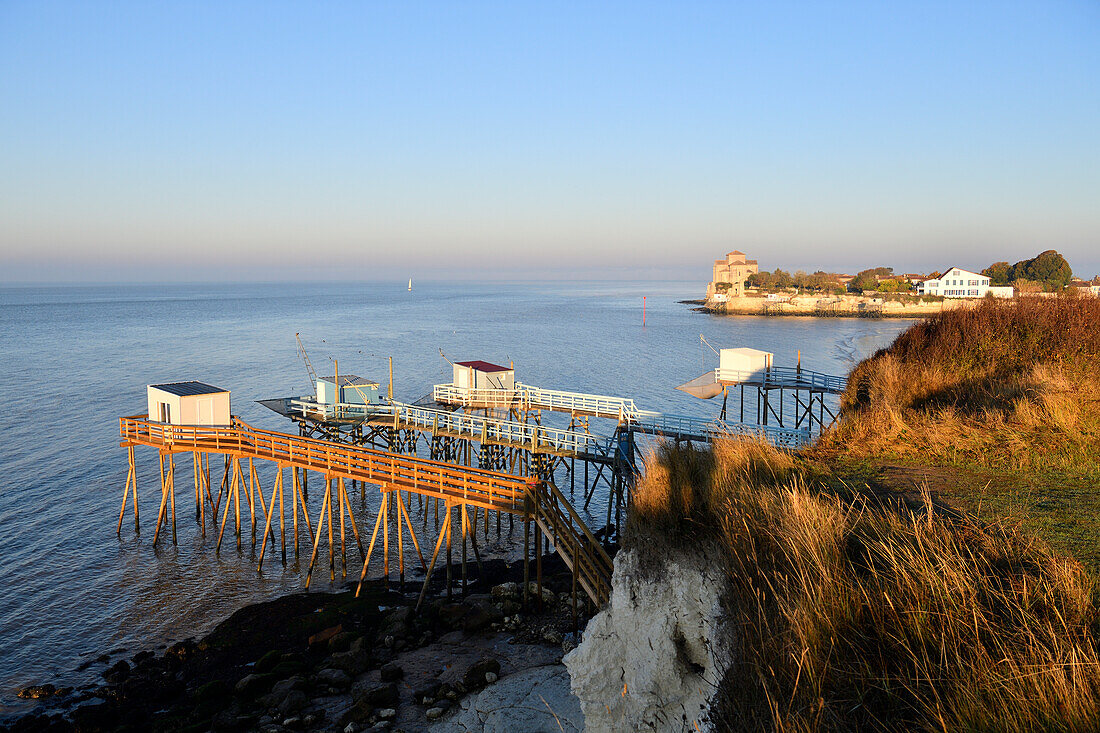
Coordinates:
76 358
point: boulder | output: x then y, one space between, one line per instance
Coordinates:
354 663
385 695
322 637
336 678
254 684
117 672
391 671
474 676
36 692
294 701
267 662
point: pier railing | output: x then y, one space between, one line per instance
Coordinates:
683 426
473 486
526 397
529 435
791 377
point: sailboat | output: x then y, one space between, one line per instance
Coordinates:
410 284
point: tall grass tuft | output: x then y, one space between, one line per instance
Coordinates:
855 616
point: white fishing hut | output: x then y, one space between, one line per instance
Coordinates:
483 375
353 390
743 364
188 403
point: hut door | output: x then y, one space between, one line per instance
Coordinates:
206 411
463 379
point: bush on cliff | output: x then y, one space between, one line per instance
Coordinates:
1005 384
853 615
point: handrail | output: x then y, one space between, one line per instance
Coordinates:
475 486
572 539
664 424
528 397
793 377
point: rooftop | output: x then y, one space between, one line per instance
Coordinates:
349 380
186 389
483 366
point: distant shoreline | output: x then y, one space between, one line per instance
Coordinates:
851 306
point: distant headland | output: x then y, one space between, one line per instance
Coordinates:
739 287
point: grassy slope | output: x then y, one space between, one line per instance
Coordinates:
995 410
856 612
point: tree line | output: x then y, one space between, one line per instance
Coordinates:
1047 271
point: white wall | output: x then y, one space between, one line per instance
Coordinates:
156 397
207 409
743 360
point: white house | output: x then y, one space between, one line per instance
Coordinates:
188 403
956 283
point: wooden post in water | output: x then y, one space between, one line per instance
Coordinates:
343 545
172 490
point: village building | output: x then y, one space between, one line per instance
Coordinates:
956 283
730 275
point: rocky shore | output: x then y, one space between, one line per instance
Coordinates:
333 662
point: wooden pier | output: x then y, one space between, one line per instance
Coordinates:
464 491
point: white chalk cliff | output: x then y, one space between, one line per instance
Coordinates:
652 659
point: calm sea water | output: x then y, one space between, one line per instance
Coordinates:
77 358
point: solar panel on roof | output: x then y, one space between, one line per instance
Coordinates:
187 389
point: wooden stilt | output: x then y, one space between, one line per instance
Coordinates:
465 531
236 489
373 538
331 546
386 538
431 566
400 544
473 544
342 498
294 502
252 481
354 528
163 501
316 539
225 518
305 515
416 544
125 496
282 515
133 472
267 527
448 523
172 490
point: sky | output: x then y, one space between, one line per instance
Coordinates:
357 141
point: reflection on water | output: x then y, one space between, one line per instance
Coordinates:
79 357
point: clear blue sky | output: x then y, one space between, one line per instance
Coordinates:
153 141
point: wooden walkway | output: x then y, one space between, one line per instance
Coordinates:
460 488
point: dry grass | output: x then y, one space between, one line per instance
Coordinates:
1011 384
853 616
